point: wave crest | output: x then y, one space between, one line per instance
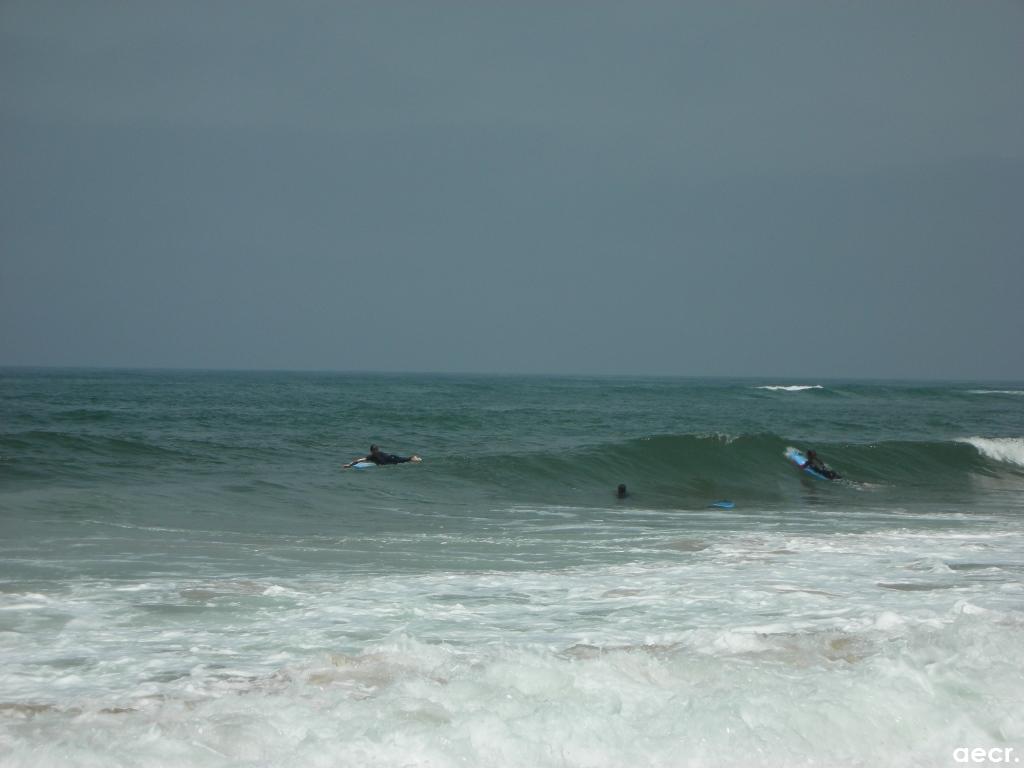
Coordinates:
790 387
1006 449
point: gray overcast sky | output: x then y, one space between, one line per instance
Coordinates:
698 188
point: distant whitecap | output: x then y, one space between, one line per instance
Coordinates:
790 388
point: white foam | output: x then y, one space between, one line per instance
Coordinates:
996 391
790 388
728 698
275 590
758 647
1006 449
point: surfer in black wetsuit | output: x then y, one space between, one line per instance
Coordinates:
819 466
378 457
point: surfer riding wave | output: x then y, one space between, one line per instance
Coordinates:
814 462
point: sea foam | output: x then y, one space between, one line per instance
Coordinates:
758 648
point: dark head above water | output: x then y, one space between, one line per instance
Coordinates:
621 491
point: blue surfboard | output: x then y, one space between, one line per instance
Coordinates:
799 459
363 465
723 504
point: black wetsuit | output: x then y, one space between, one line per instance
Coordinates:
822 469
387 458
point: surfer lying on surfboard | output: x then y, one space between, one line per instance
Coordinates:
377 456
819 466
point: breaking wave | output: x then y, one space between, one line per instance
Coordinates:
1004 449
790 387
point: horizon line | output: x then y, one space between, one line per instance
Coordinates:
494 374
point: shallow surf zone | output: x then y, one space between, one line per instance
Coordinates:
889 646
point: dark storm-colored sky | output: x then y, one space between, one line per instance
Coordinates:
700 188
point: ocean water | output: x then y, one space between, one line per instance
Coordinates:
188 577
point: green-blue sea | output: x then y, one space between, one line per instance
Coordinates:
188 576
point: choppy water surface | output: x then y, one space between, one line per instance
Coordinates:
187 577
